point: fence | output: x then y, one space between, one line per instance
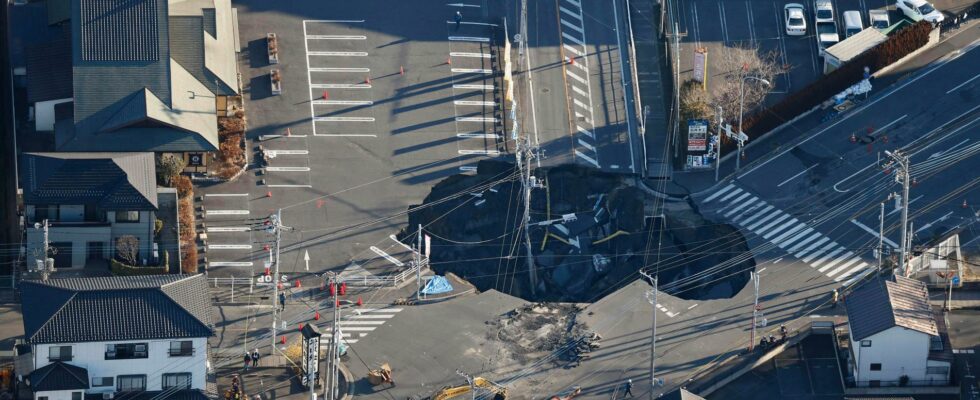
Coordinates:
952 23
394 280
239 290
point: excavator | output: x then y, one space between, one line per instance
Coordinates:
449 392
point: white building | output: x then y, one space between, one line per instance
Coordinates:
139 334
894 336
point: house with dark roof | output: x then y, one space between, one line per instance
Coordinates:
896 338
148 75
133 335
90 201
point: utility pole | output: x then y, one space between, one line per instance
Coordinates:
901 162
418 264
653 332
755 310
335 343
721 121
524 156
677 87
276 227
881 234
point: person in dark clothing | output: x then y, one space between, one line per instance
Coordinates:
782 332
282 301
247 359
629 388
255 358
459 19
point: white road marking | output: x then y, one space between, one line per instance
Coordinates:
740 204
962 84
584 131
226 212
789 238
840 267
336 37
344 102
797 175
474 87
576 77
230 263
229 247
387 256
577 52
471 71
873 233
719 193
226 195
332 69
369 316
228 229
471 23
352 328
478 135
287 169
462 5
344 119
338 53
572 39
340 85
730 195
467 168
291 186
570 12
570 25
476 119
469 39
692 306
587 158
472 55
853 270
348 135
362 323
473 103
274 153
586 145
897 209
479 152
929 225
334 20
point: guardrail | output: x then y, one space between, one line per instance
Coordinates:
388 280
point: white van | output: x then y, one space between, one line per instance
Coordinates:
852 23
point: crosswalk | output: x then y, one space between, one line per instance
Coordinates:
788 233
578 80
227 230
359 324
470 63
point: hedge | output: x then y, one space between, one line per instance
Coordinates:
898 45
120 269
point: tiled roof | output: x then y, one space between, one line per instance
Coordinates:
116 308
49 71
109 181
120 30
59 376
884 303
680 394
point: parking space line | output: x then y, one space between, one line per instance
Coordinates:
469 39
293 186
344 102
478 135
340 86
473 103
226 212
479 152
347 135
338 53
226 195
471 23
229 247
354 21
230 263
287 169
336 37
465 54
274 153
467 168
329 69
476 87
724 22
228 229
343 119
476 119
471 71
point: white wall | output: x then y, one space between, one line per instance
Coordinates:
79 236
44 115
900 351
92 357
143 231
56 394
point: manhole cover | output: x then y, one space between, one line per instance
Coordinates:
545 90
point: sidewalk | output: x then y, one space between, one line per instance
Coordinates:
686 183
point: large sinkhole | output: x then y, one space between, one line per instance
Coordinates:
590 233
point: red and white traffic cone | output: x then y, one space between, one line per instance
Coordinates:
401 70
449 60
367 80
289 132
854 138
964 204
325 96
571 60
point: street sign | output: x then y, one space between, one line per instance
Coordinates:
697 132
956 280
701 66
311 354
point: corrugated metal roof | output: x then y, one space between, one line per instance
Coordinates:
853 46
881 304
59 376
121 30
109 181
116 308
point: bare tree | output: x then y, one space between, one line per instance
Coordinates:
738 63
169 167
128 248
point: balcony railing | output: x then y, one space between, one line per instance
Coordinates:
181 352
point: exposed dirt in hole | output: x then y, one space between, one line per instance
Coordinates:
590 233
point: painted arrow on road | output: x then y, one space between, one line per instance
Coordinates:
306 258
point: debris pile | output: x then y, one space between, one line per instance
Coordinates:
540 330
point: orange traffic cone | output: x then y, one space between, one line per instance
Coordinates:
449 60
367 80
359 301
282 339
316 316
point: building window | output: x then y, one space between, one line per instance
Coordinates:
42 213
125 351
59 353
42 397
104 381
865 343
876 366
937 371
181 348
181 380
935 343
130 383
76 395
127 216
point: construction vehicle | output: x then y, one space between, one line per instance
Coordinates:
448 392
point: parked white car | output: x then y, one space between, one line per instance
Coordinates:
826 36
879 19
795 20
823 11
918 10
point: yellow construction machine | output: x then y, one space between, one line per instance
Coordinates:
448 392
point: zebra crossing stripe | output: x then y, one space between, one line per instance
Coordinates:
574 3
778 241
586 145
775 213
772 232
361 323
587 158
732 194
570 12
844 266
856 277
779 220
570 25
746 212
719 193
585 131
830 245
573 50
812 247
843 261
830 256
368 316
572 39
854 271
352 328
764 211
576 77
744 204
809 238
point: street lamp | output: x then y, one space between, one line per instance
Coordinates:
741 104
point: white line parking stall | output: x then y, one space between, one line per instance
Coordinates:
227 229
474 101
339 78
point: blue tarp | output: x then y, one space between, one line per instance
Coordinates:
438 284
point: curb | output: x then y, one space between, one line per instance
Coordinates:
349 378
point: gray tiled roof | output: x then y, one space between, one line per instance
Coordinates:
680 394
116 308
121 30
109 181
884 303
49 71
59 376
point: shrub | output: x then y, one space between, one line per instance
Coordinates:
157 226
185 188
185 216
169 166
188 264
128 248
122 269
231 125
898 45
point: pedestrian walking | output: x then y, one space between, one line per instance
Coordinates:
282 301
782 332
629 388
255 358
247 359
836 296
459 19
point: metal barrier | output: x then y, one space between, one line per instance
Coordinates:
388 280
